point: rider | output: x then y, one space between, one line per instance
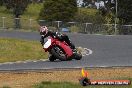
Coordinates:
44 32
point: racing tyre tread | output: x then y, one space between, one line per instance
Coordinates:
78 56
53 51
52 58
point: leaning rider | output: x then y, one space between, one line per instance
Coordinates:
44 32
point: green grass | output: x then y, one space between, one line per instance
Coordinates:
6 87
57 85
19 50
71 85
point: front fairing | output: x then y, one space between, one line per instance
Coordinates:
66 48
47 44
55 42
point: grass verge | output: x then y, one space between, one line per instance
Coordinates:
62 78
71 85
19 50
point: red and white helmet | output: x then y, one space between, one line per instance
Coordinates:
43 30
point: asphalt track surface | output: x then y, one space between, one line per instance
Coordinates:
108 51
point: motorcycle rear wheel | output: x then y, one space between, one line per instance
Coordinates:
78 55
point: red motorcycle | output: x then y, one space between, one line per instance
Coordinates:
60 50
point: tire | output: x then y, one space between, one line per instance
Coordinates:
59 53
52 58
78 56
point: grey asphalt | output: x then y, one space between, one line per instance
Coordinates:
107 51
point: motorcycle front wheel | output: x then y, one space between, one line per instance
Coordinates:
59 53
52 58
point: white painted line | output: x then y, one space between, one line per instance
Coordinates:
43 59
110 35
88 51
103 66
27 61
103 34
9 63
34 61
17 62
85 51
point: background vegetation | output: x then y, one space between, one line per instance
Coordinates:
58 10
62 10
32 12
34 9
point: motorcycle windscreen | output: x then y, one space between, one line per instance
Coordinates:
47 44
